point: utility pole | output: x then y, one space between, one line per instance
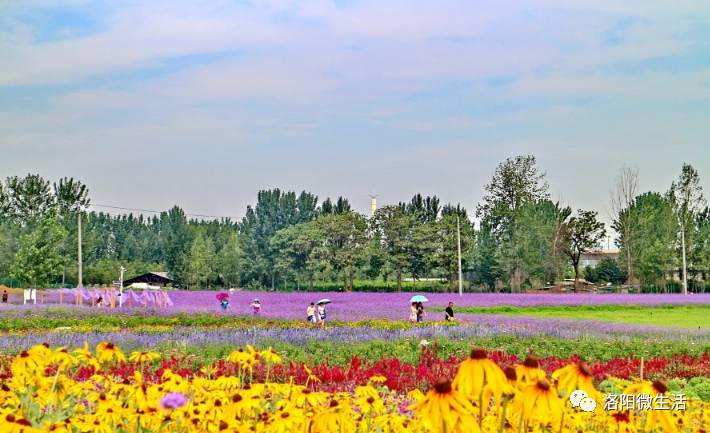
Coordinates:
80 282
685 265
120 288
458 247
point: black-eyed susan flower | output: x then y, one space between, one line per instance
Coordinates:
63 358
143 357
270 356
337 418
478 371
576 376
656 417
444 409
107 352
539 403
26 363
529 371
368 400
85 357
13 424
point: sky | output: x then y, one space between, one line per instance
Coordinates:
202 104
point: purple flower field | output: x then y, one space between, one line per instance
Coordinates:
473 327
395 306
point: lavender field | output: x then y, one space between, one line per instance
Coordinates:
195 320
395 306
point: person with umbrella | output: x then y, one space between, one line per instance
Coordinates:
413 312
418 304
322 314
223 299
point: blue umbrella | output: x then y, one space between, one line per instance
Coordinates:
419 298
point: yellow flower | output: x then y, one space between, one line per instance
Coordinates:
63 358
11 424
337 418
444 409
304 396
655 418
107 352
529 371
25 363
269 355
368 400
377 379
287 418
478 371
143 357
539 403
311 377
576 376
84 356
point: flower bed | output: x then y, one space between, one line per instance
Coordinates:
47 391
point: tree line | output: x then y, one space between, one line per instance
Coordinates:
523 239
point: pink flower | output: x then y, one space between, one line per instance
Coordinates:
173 400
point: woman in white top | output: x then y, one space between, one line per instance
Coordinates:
311 313
413 312
322 315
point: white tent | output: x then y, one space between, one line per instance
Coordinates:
143 286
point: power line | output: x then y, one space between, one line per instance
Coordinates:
196 215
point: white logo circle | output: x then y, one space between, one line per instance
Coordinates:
576 397
588 404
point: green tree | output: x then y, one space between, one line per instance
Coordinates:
394 228
686 196
294 246
516 182
344 240
176 239
446 242
200 268
229 261
539 240
487 266
27 199
38 262
584 232
621 199
341 206
274 211
607 271
701 250
652 248
9 240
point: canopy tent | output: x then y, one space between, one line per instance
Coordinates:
143 286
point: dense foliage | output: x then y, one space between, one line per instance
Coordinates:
290 240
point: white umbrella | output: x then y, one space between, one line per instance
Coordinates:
324 301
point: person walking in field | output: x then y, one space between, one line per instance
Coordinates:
322 314
413 312
311 313
255 307
449 312
420 312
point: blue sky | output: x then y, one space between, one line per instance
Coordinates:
203 103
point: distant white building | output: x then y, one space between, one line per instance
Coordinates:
594 257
